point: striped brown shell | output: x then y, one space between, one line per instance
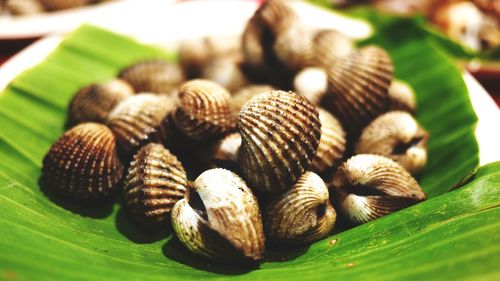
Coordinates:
153 76
402 96
93 103
83 163
358 87
330 45
155 181
371 186
398 136
280 133
203 112
141 119
55 5
220 219
245 94
332 143
301 215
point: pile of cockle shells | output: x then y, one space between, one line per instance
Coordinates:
343 140
32 7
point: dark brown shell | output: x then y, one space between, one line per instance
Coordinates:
203 112
155 181
402 96
141 119
330 45
280 134
301 215
398 136
332 143
220 219
93 103
358 87
83 163
371 186
153 76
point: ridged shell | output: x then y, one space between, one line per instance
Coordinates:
358 87
280 134
220 219
245 94
396 135
153 76
371 186
141 119
292 52
312 83
55 5
330 45
226 72
402 96
204 112
155 181
332 143
93 103
195 53
23 7
301 215
83 163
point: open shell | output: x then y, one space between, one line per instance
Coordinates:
153 76
396 135
302 214
371 186
83 163
280 134
93 103
155 181
358 87
220 219
204 112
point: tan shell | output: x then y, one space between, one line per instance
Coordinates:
226 72
55 5
141 119
301 215
332 143
280 133
195 53
371 186
245 94
398 136
402 96
153 76
203 112
93 103
24 7
292 52
330 45
226 149
83 163
155 181
220 219
358 87
312 83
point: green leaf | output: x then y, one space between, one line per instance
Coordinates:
43 237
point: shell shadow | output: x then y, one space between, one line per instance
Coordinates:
95 209
174 250
280 253
138 233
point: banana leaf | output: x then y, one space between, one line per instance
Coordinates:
45 237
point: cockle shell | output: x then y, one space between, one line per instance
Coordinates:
23 7
292 52
371 186
358 87
204 112
398 136
153 76
141 119
312 83
402 96
245 94
93 103
226 150
332 143
155 181
83 163
280 133
226 72
55 5
302 214
220 219
330 45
